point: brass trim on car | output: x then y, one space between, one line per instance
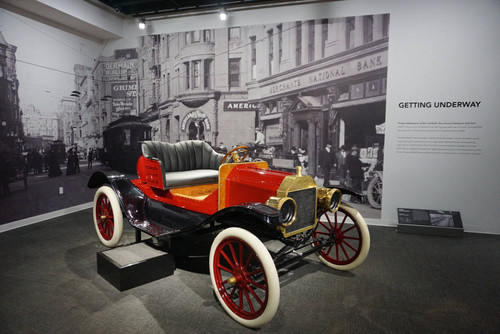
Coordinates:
294 183
278 202
325 196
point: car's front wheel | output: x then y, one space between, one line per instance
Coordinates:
108 218
244 277
351 238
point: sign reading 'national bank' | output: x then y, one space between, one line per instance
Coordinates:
326 74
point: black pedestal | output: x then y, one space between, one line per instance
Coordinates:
129 266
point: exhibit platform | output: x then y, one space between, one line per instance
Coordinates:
132 265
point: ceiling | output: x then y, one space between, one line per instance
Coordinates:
138 8
103 19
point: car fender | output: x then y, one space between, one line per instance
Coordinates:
250 216
130 197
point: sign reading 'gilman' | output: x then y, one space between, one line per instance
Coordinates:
240 106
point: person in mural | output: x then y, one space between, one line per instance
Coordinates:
45 161
341 166
295 156
54 169
258 145
355 169
327 161
70 164
221 148
5 171
76 161
90 158
259 138
303 160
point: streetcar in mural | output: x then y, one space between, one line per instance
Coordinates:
122 143
187 191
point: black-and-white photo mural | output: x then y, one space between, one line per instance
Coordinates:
308 93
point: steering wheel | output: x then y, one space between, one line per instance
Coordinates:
235 154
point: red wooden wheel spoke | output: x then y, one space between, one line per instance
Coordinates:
349 245
240 259
228 260
329 250
350 228
257 298
249 301
258 285
220 266
247 263
342 224
231 295
233 254
351 238
344 251
330 221
241 299
326 227
255 272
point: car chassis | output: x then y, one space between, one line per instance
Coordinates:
246 205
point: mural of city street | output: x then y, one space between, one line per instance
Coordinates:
309 93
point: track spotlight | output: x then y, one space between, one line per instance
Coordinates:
222 14
142 24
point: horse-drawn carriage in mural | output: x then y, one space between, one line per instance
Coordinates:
187 190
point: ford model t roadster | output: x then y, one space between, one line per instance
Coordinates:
187 189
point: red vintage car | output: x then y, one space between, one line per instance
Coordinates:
187 188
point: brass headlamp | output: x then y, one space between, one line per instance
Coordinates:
286 207
329 199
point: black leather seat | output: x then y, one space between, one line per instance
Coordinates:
186 163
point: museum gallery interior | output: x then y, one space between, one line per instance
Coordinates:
249 166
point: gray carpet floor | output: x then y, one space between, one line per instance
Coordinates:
408 284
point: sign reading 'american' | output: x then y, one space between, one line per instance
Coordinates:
240 106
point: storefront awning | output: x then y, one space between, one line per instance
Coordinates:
358 102
267 117
310 101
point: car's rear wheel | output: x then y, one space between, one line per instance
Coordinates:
244 277
352 238
108 218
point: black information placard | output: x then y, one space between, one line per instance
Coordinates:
434 222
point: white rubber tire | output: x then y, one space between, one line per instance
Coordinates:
105 203
269 269
359 221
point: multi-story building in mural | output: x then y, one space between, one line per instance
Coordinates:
115 85
11 130
40 130
68 118
302 83
84 125
104 93
184 79
320 81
